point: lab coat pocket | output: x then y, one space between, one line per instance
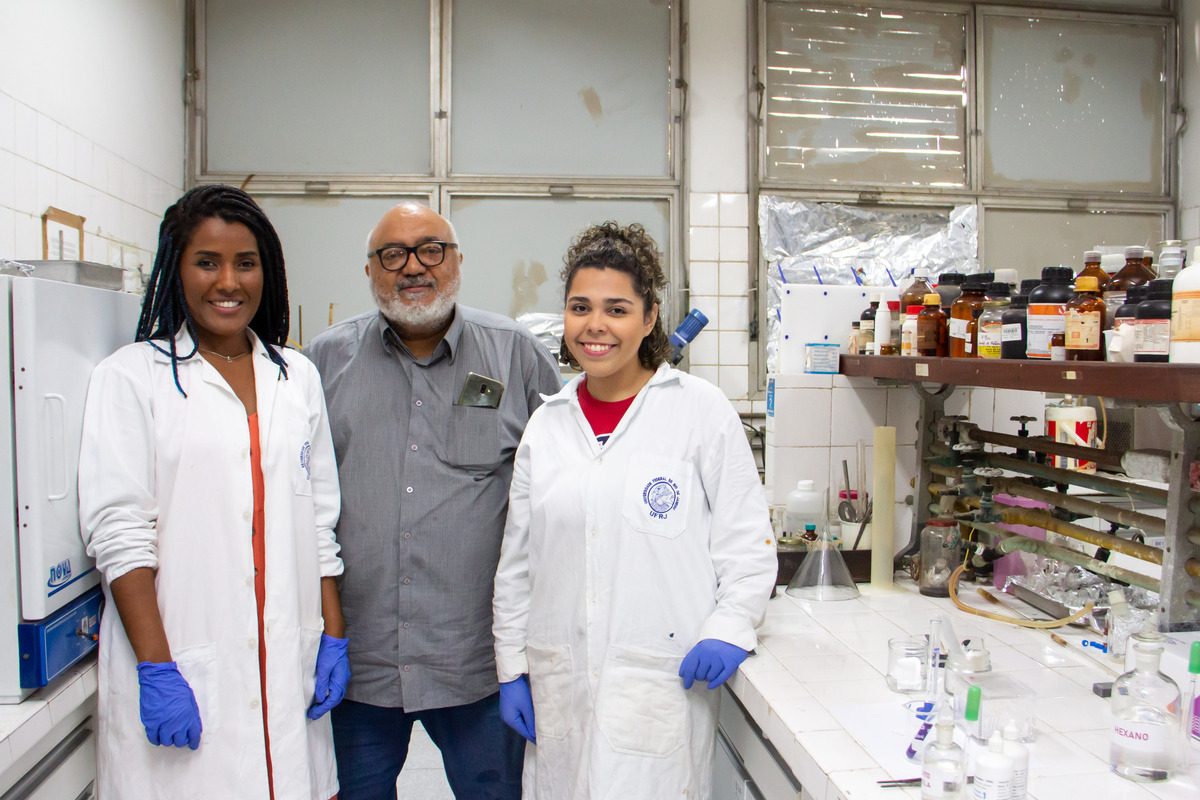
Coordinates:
299 451
198 666
642 707
551 686
473 437
310 644
656 495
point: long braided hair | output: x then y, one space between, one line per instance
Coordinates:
164 310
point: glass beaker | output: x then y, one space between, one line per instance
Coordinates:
940 555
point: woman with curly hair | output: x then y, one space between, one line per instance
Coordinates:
638 554
208 493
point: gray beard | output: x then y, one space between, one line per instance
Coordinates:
418 317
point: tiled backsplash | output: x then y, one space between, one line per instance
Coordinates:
43 163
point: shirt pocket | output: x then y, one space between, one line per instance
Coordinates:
299 455
310 646
198 666
642 707
473 437
551 684
657 495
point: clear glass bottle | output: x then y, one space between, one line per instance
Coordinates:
1146 719
991 321
944 765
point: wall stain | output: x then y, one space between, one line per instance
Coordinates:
525 283
1072 84
591 101
1063 55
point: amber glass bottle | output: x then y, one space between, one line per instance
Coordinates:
960 312
1092 269
1084 338
932 329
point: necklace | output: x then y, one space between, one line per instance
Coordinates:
230 359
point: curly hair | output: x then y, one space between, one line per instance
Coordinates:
631 250
164 310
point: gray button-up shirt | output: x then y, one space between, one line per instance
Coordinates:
424 498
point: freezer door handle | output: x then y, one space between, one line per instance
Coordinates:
57 479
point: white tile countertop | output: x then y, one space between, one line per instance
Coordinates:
815 687
69 698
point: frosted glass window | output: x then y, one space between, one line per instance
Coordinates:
1029 240
513 247
1074 104
561 87
308 86
865 96
324 249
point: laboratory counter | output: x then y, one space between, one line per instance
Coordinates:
815 691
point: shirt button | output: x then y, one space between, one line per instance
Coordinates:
407 535
418 403
406 580
406 628
414 447
246 452
591 598
250 581
254 703
408 489
406 667
252 643
246 516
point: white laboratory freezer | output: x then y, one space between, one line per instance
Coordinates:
52 334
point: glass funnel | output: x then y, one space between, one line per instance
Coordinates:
823 574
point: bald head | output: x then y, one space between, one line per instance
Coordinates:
410 216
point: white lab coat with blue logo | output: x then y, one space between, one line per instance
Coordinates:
165 483
616 560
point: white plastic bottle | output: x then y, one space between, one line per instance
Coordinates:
803 508
1185 316
993 771
944 765
1019 754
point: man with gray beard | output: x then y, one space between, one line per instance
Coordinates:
427 402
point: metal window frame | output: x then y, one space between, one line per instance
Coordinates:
901 198
441 183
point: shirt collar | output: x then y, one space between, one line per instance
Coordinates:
185 347
664 374
447 347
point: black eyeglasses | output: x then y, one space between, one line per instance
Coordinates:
393 257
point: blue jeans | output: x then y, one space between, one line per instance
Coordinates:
483 756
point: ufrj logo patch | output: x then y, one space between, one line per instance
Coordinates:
662 496
305 453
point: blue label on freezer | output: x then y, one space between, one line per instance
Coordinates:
60 574
771 397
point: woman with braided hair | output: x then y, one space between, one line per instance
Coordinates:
208 495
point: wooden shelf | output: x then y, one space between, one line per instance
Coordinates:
1148 383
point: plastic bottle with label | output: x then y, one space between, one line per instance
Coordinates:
1047 312
1012 344
993 771
1145 711
803 508
932 331
1171 257
991 322
1019 754
1084 324
908 331
1152 336
1185 316
973 291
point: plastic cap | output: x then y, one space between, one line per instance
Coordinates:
998 289
914 309
951 278
893 305
1134 251
974 695
1057 274
1029 284
805 486
1136 294
1160 289
1091 255
920 272
1087 284
1010 731
933 299
876 297
996 742
1194 661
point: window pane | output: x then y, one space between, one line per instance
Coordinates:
561 87
307 86
513 247
324 245
1073 104
865 96
1029 240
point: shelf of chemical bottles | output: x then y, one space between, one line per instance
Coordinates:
1148 383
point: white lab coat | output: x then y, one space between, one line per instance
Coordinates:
615 562
165 483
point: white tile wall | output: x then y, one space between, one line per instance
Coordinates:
44 163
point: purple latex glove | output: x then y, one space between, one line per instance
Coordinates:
516 707
168 706
333 675
711 660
